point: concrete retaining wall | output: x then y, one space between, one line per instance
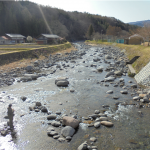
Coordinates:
143 77
33 53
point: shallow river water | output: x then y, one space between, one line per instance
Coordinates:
130 131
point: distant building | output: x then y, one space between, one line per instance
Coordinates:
15 38
135 39
4 40
48 39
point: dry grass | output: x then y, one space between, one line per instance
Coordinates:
131 51
26 62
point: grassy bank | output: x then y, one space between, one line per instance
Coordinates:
131 51
17 54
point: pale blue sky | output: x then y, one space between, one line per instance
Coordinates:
126 11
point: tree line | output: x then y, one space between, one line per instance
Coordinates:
28 18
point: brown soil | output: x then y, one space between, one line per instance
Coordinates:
26 62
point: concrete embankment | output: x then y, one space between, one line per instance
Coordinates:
32 53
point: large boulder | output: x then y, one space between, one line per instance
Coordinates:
67 131
70 121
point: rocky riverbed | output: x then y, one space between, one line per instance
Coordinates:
78 100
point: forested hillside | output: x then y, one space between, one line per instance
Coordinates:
26 18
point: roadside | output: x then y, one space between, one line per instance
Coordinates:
131 51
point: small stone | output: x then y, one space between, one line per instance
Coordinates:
52 116
36 110
71 91
93 139
61 139
83 146
58 112
97 124
55 124
97 111
124 92
115 97
109 92
56 136
68 138
60 103
23 98
136 98
38 104
52 133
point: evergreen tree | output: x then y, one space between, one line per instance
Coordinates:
90 32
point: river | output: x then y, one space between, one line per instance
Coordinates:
131 128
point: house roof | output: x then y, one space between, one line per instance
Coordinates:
15 35
3 38
135 35
50 35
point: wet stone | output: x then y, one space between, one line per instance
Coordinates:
56 124
93 139
52 116
103 119
97 124
124 92
52 133
109 92
58 112
56 136
115 97
67 131
97 111
107 124
68 138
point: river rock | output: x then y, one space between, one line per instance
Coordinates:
107 123
109 92
62 83
97 124
23 98
44 109
136 98
61 139
83 146
68 138
56 136
103 119
107 57
118 73
109 79
134 86
32 76
93 139
124 92
109 74
52 116
29 69
94 116
70 121
100 69
67 131
52 133
56 124
97 111
38 104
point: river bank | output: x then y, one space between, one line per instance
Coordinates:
98 87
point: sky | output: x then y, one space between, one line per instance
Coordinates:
124 10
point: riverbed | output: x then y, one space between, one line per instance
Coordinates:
131 128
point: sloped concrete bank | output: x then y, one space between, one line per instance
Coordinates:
143 77
33 53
